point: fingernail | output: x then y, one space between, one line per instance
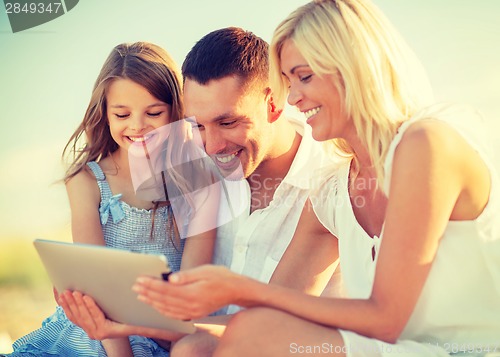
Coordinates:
141 280
136 288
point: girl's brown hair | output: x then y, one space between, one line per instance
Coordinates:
144 63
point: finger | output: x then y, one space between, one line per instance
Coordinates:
69 305
170 295
151 284
94 310
56 294
181 308
85 319
167 304
188 276
64 303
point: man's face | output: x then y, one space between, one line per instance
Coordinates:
233 123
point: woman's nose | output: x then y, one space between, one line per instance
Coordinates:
294 96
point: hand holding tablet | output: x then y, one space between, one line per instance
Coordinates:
107 275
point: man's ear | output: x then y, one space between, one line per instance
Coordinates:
273 112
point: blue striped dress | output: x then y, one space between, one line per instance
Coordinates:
124 227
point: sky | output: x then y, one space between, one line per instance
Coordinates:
47 73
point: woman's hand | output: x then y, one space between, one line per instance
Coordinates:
192 293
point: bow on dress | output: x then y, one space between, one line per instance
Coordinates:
112 207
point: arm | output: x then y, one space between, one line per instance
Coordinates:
201 234
427 183
84 312
198 248
310 259
84 198
307 265
202 228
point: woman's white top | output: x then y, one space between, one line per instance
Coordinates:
460 301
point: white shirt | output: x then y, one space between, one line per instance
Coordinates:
459 303
257 241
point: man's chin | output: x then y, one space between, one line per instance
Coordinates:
233 175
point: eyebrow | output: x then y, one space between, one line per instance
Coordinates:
225 116
218 118
158 104
292 71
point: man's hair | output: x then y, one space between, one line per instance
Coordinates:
230 51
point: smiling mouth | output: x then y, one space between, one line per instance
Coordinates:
140 139
309 113
227 158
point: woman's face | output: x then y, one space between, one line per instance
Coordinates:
317 97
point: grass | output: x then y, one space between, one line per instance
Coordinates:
25 290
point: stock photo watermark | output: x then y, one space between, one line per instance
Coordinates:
26 14
385 348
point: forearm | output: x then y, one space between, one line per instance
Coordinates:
365 317
199 291
151 333
211 325
119 347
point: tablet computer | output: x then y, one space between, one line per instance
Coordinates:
107 275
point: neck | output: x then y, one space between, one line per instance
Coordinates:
361 153
277 163
120 159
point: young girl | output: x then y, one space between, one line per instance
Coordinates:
137 93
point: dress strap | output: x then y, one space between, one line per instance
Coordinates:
103 184
463 119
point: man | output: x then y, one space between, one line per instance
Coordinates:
226 91
228 99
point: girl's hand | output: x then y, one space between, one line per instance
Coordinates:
83 311
192 293
56 294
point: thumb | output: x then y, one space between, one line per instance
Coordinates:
188 276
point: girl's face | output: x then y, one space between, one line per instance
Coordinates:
133 113
316 97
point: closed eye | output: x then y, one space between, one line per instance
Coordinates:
122 116
229 123
155 114
305 78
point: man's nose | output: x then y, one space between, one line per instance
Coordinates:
214 141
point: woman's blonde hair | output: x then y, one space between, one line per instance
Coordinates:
144 63
380 79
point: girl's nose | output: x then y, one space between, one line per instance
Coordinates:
137 123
